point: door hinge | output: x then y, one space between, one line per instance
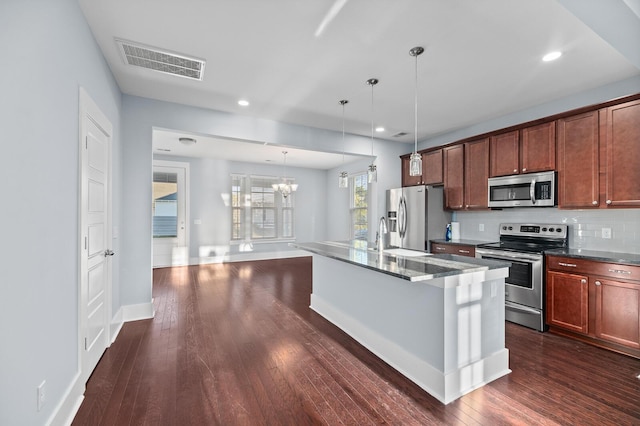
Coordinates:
85 243
86 142
86 344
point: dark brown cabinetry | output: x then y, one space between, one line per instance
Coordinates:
578 161
432 169
599 158
597 302
476 173
532 149
454 177
459 249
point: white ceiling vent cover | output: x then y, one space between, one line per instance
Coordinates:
160 60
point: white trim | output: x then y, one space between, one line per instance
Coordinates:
116 325
69 405
137 312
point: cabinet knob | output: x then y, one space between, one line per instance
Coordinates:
595 203
598 283
515 170
524 169
583 281
608 201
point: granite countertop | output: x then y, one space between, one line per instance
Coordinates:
409 267
474 243
601 256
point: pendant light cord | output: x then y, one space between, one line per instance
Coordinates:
372 84
415 130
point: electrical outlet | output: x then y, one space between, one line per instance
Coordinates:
481 227
606 232
41 394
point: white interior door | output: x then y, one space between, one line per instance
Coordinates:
170 211
95 233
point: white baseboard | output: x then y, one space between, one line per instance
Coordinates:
69 405
116 325
137 312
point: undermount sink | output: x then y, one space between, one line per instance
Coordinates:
405 252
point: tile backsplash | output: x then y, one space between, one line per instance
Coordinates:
585 226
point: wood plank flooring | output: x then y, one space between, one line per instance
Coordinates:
236 344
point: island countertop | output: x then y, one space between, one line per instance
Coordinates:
406 264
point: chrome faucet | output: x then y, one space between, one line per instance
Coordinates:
382 231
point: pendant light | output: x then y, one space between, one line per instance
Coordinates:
415 163
372 173
343 179
285 187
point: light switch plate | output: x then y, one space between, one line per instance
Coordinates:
606 233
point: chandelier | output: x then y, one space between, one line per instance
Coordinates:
285 186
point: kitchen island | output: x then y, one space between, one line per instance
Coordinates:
439 320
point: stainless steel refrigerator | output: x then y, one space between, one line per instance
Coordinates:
415 215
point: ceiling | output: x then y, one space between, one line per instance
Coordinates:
294 60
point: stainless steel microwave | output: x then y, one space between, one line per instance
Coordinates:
530 190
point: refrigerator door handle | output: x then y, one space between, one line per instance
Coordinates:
402 212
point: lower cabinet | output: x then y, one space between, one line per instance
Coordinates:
595 301
459 249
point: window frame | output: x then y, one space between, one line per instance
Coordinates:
356 181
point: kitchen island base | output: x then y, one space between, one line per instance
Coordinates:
445 334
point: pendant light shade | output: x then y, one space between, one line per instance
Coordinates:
372 173
415 162
343 178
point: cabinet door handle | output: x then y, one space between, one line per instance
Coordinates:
583 281
595 203
598 283
620 271
608 201
464 251
515 170
440 248
570 265
524 169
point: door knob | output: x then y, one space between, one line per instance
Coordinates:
108 253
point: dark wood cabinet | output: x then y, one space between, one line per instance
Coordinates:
538 148
432 169
505 154
567 301
532 149
459 249
622 141
454 177
578 161
599 158
594 301
476 174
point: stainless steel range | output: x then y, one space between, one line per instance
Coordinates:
523 245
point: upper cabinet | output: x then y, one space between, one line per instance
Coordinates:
622 142
476 173
532 149
454 177
599 144
432 169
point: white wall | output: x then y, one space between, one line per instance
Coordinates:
48 52
210 178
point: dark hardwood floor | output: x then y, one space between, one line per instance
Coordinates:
236 344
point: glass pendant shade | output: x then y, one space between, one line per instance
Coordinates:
343 180
372 173
285 187
415 164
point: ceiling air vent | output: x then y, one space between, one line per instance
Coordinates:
399 134
164 61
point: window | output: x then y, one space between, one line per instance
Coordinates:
359 207
258 212
165 205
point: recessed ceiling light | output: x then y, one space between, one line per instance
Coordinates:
187 141
551 56
379 129
243 102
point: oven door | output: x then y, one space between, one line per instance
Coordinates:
524 283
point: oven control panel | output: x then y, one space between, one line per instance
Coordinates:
546 230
